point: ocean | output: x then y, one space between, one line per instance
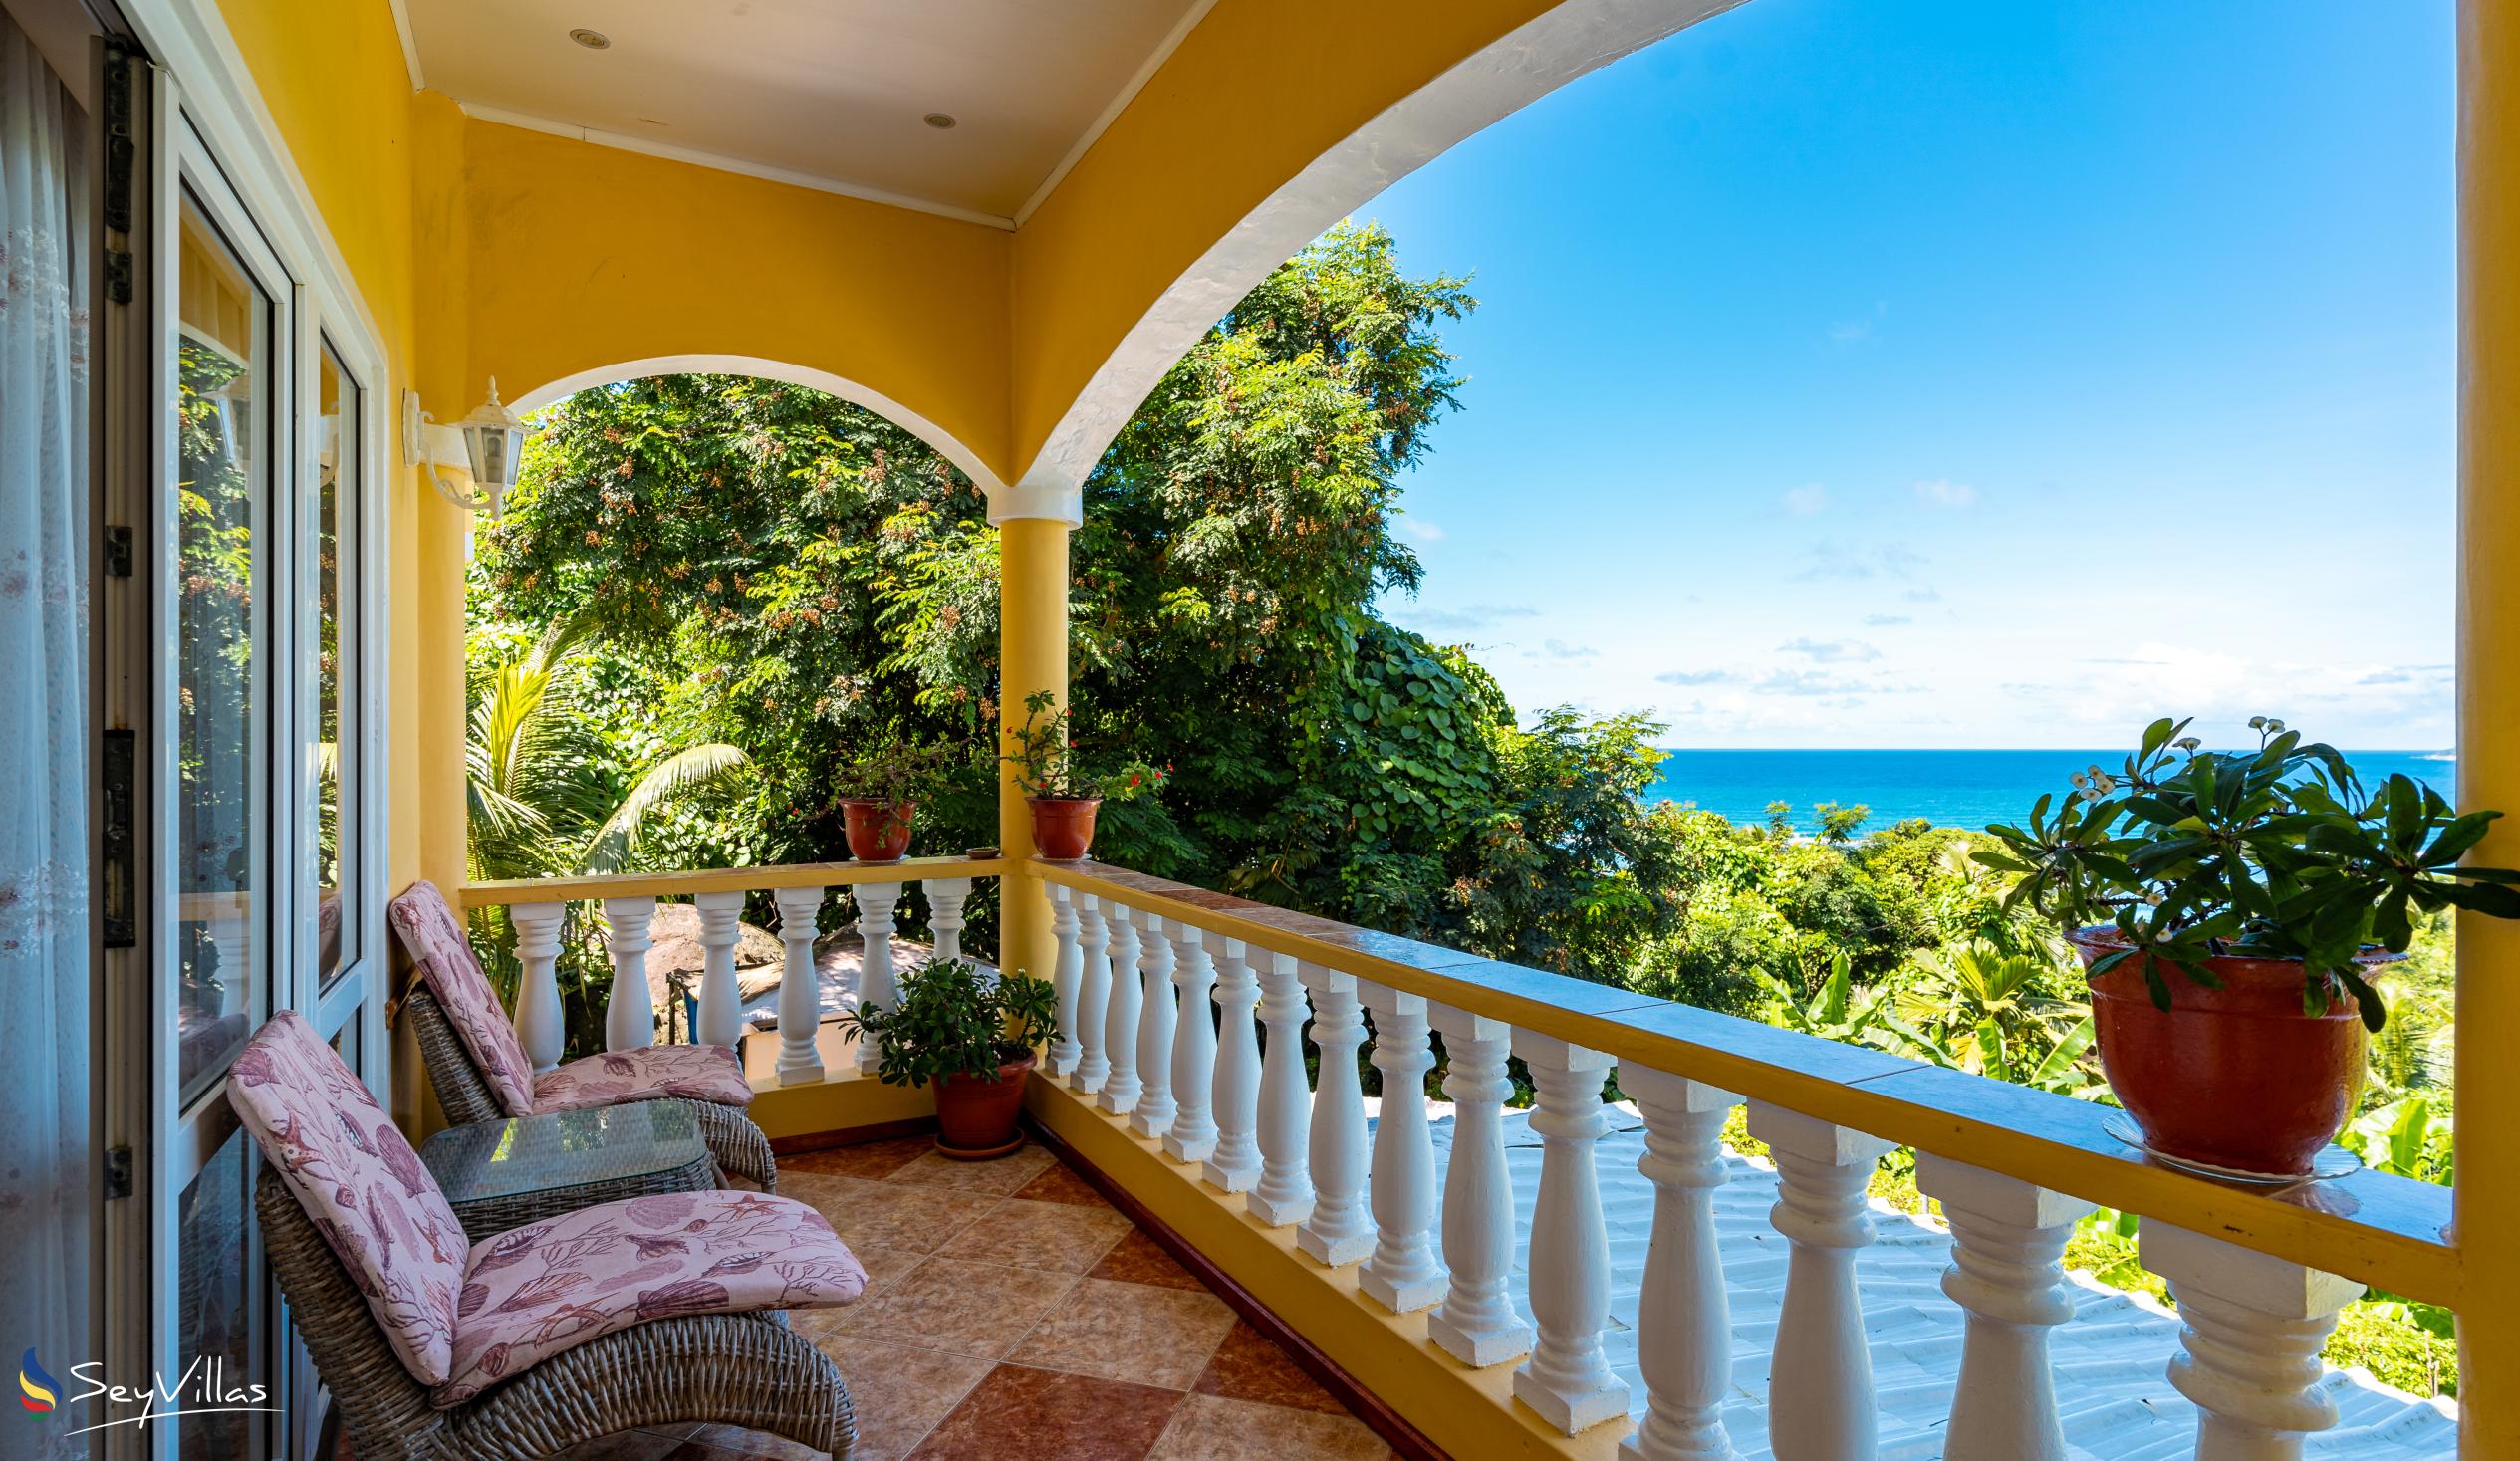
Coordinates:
1947 788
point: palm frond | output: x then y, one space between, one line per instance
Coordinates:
679 774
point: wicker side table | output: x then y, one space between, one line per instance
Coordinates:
500 1176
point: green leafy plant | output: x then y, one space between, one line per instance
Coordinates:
2273 854
894 771
1047 765
952 1020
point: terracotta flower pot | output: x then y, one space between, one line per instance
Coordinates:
1062 826
879 830
2237 1078
975 1120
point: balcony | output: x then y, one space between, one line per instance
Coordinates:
1582 1270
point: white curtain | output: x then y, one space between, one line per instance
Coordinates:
48 1182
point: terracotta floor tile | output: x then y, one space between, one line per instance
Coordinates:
900 1394
729 1442
1138 1259
977 1309
1058 1236
1249 1367
868 1159
998 1177
900 1215
1211 1428
1059 1184
1156 1336
1041 1416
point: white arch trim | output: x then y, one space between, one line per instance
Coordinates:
1518 68
876 401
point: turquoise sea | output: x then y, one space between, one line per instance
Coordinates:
1949 787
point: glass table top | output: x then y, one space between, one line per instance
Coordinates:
539 1153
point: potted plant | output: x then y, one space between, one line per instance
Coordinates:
881 790
2228 907
1065 800
975 1036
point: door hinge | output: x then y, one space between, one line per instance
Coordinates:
117 1172
118 880
117 551
121 152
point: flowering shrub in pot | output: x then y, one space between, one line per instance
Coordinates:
2229 907
974 1035
881 790
1064 795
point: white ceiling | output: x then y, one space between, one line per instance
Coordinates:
830 92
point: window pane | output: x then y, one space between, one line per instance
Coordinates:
222 431
214 1323
336 459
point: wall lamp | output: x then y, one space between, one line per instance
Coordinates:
492 440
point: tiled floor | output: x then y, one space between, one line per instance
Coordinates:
1012 1312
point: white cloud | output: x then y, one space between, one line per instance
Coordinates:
1831 559
1698 677
1420 529
1806 500
1470 618
1885 620
1942 493
1831 652
1561 650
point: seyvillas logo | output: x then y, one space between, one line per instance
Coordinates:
37 1391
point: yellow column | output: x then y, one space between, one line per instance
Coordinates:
2488 1198
1033 656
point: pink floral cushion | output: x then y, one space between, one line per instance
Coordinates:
361 1185
710 1072
437 942
533 1292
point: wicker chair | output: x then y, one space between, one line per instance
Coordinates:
739 1146
455 1043
746 1370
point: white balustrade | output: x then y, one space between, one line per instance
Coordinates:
875 982
1477 1323
1567 1381
946 899
1284 1193
1820 1383
1065 1050
1153 1115
539 1025
1338 1229
2007 1237
1234 1164
1192 1135
799 986
2252 1328
630 1016
721 1019
1121 1086
1402 1275
1094 994
1683 1318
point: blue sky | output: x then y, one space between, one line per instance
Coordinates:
1944 373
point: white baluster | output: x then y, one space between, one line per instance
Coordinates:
1122 1087
1284 1193
630 1017
946 897
1404 1274
1340 1230
1192 1136
876 984
799 986
2252 1328
1477 1323
2006 1239
1065 1050
1234 1166
721 1005
1094 995
539 1025
1683 1318
1153 1115
1820 1386
1566 1379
